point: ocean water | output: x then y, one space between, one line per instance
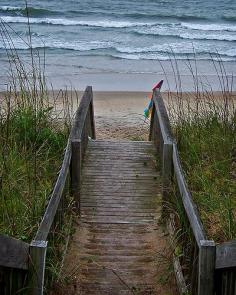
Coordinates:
121 36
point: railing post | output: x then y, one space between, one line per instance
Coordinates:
166 175
206 267
152 121
37 253
76 171
92 118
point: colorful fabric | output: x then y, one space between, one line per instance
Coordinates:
148 110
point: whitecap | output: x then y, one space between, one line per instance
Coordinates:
210 27
74 22
9 8
185 33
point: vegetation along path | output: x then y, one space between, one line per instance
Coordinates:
119 238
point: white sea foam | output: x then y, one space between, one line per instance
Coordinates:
184 33
163 57
182 30
9 8
180 49
71 22
191 35
210 27
58 44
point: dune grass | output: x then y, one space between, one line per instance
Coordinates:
204 125
33 136
208 151
30 155
34 129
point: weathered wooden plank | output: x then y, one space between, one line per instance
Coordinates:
128 181
128 212
130 208
113 154
118 143
120 185
117 237
114 231
123 252
94 213
180 280
117 197
118 219
76 167
122 179
190 207
122 191
148 199
151 168
206 267
81 113
111 210
126 200
93 129
147 203
226 255
51 209
13 253
162 117
37 258
118 247
128 174
121 205
121 166
119 194
125 149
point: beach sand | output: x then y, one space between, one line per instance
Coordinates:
120 114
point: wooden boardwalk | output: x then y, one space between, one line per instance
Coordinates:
118 238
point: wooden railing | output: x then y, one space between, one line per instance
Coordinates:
13 265
202 268
225 266
22 265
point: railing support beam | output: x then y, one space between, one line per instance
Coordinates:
38 251
76 172
92 118
166 175
206 267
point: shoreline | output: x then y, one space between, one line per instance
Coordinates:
106 74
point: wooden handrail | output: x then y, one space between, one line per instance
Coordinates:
189 206
75 134
80 117
72 162
171 165
168 139
163 117
46 223
13 253
226 255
